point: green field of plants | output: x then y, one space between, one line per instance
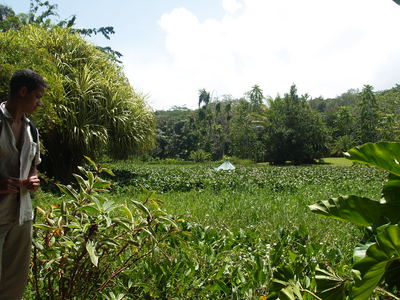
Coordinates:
241 234
287 223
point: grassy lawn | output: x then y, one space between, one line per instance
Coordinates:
338 161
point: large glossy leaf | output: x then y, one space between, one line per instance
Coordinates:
397 1
391 190
384 155
360 252
358 210
378 258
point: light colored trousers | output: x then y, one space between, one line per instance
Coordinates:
15 250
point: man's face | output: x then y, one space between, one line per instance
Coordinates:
31 100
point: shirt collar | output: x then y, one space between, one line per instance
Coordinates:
7 113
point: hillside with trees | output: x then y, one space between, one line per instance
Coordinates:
295 128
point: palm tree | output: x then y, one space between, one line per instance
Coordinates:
256 97
204 97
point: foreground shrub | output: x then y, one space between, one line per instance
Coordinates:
84 244
377 259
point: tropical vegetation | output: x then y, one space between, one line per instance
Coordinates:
378 257
162 223
293 128
245 233
90 107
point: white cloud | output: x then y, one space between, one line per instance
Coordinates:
231 6
325 47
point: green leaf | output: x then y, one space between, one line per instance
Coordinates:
37 245
290 293
128 212
89 209
91 162
220 285
169 221
141 207
391 190
384 155
90 247
90 179
108 171
260 276
358 210
82 182
43 227
108 221
360 251
67 244
378 258
69 191
73 226
397 1
330 285
109 206
101 184
150 234
82 170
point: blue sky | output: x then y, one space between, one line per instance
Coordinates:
173 48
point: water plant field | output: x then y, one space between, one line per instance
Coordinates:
265 198
255 211
247 233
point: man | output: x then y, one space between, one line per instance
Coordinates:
19 155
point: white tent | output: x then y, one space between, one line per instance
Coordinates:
226 166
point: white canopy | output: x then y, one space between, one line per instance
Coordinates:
226 166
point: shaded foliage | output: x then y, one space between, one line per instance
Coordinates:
90 107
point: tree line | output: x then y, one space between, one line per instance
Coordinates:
292 127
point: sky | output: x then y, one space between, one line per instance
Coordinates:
173 48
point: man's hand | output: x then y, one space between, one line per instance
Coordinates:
9 185
32 183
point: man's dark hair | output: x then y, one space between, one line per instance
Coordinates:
26 78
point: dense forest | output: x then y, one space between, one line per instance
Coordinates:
291 127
